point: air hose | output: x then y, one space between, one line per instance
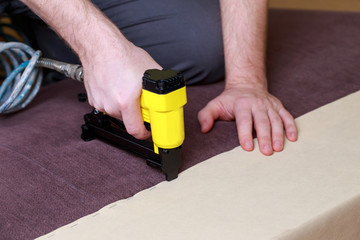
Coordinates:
22 68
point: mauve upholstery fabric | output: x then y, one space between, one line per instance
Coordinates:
50 177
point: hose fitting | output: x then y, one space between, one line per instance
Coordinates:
73 71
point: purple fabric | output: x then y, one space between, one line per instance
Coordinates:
50 177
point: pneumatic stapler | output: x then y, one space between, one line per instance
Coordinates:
162 100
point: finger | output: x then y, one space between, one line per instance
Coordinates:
113 111
207 116
263 131
277 131
118 116
289 124
244 124
133 121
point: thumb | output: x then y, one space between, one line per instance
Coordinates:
207 116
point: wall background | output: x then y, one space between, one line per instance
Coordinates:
332 5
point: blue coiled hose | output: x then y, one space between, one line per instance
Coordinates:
22 67
23 79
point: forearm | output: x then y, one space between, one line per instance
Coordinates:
244 34
103 52
80 24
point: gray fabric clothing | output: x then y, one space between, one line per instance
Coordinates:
179 34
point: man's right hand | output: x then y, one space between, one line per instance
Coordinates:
113 83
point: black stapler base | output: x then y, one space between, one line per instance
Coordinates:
101 126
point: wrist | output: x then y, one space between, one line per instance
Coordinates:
104 48
100 39
246 79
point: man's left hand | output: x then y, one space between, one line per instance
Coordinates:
250 106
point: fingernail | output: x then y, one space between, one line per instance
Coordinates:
248 145
267 148
292 135
277 144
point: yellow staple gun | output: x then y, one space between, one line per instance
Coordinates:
162 100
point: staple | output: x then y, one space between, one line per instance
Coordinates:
74 225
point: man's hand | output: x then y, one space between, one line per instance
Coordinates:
251 106
114 82
245 98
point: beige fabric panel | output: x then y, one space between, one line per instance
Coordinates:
330 5
341 223
240 195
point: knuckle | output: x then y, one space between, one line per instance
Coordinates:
262 122
122 104
125 104
261 102
276 121
264 139
132 130
285 114
243 102
290 122
278 135
276 102
109 110
135 132
245 121
214 104
277 138
291 128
